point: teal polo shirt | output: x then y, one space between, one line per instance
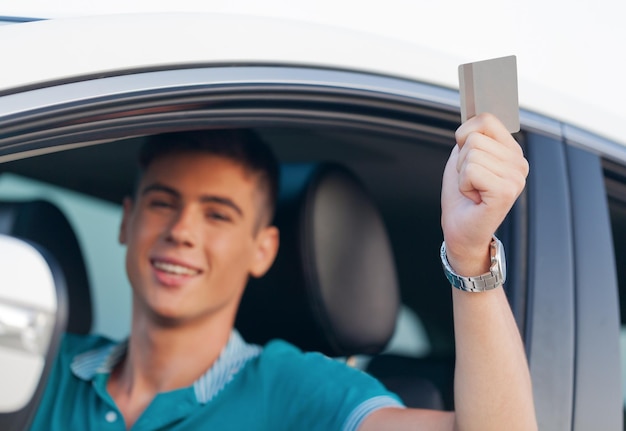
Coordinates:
276 387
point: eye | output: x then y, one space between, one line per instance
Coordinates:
217 215
160 203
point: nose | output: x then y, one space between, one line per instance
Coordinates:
183 227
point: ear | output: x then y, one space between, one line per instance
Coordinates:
127 210
267 242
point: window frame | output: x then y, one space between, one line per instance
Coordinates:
68 115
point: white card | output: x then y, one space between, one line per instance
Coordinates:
490 86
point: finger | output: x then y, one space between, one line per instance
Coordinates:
488 125
481 183
477 144
488 161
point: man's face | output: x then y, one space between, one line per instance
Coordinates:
191 237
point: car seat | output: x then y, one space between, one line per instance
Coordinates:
333 287
420 382
43 224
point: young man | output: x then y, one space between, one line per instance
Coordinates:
199 226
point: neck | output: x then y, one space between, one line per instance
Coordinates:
173 357
164 357
168 358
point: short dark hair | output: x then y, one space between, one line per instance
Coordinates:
243 146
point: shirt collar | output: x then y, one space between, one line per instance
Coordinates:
98 361
231 360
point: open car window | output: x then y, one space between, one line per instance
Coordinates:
394 135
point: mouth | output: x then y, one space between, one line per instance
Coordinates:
176 269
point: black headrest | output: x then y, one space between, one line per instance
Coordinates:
43 223
333 287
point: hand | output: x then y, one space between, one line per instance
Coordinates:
485 174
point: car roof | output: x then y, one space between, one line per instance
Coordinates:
56 50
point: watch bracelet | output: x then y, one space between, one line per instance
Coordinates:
480 283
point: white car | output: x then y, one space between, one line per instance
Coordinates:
77 97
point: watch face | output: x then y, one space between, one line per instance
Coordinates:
502 260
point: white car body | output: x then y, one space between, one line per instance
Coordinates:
64 49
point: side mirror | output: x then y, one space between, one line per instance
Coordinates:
33 316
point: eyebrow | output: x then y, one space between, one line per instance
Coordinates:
156 187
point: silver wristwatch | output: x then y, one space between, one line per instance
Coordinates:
490 280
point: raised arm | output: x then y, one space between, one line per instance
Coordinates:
484 176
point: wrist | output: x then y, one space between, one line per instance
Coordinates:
469 262
481 281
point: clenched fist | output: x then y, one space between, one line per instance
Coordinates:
485 174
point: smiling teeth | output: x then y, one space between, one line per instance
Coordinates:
175 269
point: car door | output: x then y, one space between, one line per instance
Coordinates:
592 161
573 291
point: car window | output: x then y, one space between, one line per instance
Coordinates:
96 224
615 180
397 146
409 338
